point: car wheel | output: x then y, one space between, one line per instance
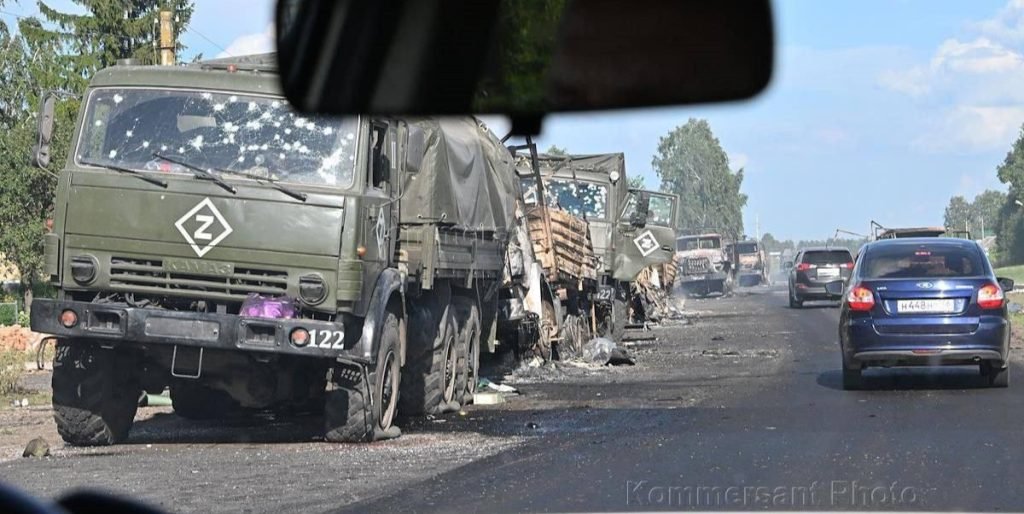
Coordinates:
853 378
998 376
793 302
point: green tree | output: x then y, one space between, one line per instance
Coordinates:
985 212
554 150
637 182
111 30
958 213
28 66
692 164
1010 228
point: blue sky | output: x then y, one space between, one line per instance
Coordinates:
878 109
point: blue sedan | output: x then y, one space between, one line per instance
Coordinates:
924 302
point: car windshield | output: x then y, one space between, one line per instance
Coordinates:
922 261
827 257
255 135
582 199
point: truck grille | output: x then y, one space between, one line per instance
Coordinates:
696 265
148 275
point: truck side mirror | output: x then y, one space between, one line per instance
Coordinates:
44 131
643 205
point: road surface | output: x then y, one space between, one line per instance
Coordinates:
739 408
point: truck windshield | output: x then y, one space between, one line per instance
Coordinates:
702 243
578 198
258 136
746 248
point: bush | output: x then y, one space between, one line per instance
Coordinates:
12 364
8 314
23 318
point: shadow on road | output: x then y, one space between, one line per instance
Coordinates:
908 379
167 428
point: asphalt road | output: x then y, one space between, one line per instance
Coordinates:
741 408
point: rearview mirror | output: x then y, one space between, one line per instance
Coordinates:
638 218
1006 284
523 58
44 131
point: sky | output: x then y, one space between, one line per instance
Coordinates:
877 110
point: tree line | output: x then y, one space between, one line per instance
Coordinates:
994 212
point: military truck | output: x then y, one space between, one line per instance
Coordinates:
748 263
704 265
210 239
625 238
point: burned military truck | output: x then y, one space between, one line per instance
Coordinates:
629 229
209 238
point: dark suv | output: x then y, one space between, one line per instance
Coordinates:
813 269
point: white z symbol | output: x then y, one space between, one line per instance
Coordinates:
200 232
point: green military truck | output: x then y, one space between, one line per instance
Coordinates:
209 239
625 239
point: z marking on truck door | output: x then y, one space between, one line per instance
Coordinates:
646 243
203 223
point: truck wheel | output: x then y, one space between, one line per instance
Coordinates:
469 367
349 415
614 323
94 403
430 370
197 402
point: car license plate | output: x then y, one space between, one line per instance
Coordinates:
930 306
828 272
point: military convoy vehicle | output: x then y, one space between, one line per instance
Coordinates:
704 265
629 229
210 239
749 263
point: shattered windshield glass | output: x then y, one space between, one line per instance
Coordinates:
582 199
259 136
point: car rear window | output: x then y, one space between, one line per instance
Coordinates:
827 257
922 260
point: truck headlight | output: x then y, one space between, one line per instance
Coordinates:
312 289
83 268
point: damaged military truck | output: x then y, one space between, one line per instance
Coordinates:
210 239
629 229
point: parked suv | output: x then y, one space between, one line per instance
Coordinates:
813 269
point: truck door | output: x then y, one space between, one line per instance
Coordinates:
644 233
381 188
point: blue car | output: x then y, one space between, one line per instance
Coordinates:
924 302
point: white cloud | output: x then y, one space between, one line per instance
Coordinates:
968 128
738 160
973 82
258 43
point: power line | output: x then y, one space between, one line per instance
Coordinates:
19 16
208 40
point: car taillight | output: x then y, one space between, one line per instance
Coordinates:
803 266
847 265
860 298
990 296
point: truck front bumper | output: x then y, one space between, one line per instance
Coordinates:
118 324
701 278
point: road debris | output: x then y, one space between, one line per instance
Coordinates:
37 448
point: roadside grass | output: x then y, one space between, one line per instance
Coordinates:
1017 329
1014 272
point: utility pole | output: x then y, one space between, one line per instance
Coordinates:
757 226
167 43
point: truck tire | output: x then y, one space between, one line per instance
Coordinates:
430 371
94 403
469 337
349 414
197 402
613 326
